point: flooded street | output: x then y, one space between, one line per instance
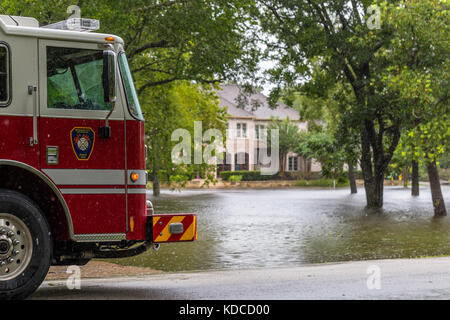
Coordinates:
279 228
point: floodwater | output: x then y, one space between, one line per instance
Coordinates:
291 227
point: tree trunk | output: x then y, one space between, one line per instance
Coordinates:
351 179
156 184
436 192
373 173
374 192
415 179
405 177
282 165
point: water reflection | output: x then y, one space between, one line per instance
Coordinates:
274 228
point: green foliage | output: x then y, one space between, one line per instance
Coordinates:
318 44
323 147
257 176
289 135
421 77
302 183
322 183
169 40
248 176
235 178
171 107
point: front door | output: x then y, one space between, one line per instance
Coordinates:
88 169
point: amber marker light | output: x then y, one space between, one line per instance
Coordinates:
110 39
132 224
134 177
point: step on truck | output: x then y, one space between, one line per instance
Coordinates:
72 154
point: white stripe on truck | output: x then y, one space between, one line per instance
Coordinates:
89 177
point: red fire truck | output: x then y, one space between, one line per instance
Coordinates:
72 154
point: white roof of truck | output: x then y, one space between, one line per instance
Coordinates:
29 27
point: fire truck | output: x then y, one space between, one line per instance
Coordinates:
72 154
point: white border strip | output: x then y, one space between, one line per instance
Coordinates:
63 177
92 191
137 191
103 191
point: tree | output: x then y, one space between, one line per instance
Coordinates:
288 138
323 147
335 33
421 78
431 140
323 110
338 35
178 106
173 40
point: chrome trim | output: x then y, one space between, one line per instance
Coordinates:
63 177
35 140
50 184
100 237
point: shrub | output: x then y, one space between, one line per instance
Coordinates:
248 176
321 183
235 179
302 183
257 176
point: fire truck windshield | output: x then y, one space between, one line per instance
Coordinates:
74 79
130 90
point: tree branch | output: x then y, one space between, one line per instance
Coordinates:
163 5
169 80
157 83
157 44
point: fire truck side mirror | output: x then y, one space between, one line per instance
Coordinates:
109 76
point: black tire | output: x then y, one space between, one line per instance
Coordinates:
29 279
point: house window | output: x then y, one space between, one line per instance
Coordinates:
5 89
241 130
260 132
293 163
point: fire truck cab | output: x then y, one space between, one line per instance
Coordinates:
72 154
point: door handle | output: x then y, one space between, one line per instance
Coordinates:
32 90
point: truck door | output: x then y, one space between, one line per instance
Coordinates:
18 118
88 169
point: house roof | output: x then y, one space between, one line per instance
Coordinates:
229 97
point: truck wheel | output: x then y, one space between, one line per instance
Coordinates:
25 246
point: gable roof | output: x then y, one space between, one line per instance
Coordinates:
229 98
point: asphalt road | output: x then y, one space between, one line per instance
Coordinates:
381 279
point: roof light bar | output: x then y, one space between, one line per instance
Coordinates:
76 24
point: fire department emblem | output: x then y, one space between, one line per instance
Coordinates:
82 142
